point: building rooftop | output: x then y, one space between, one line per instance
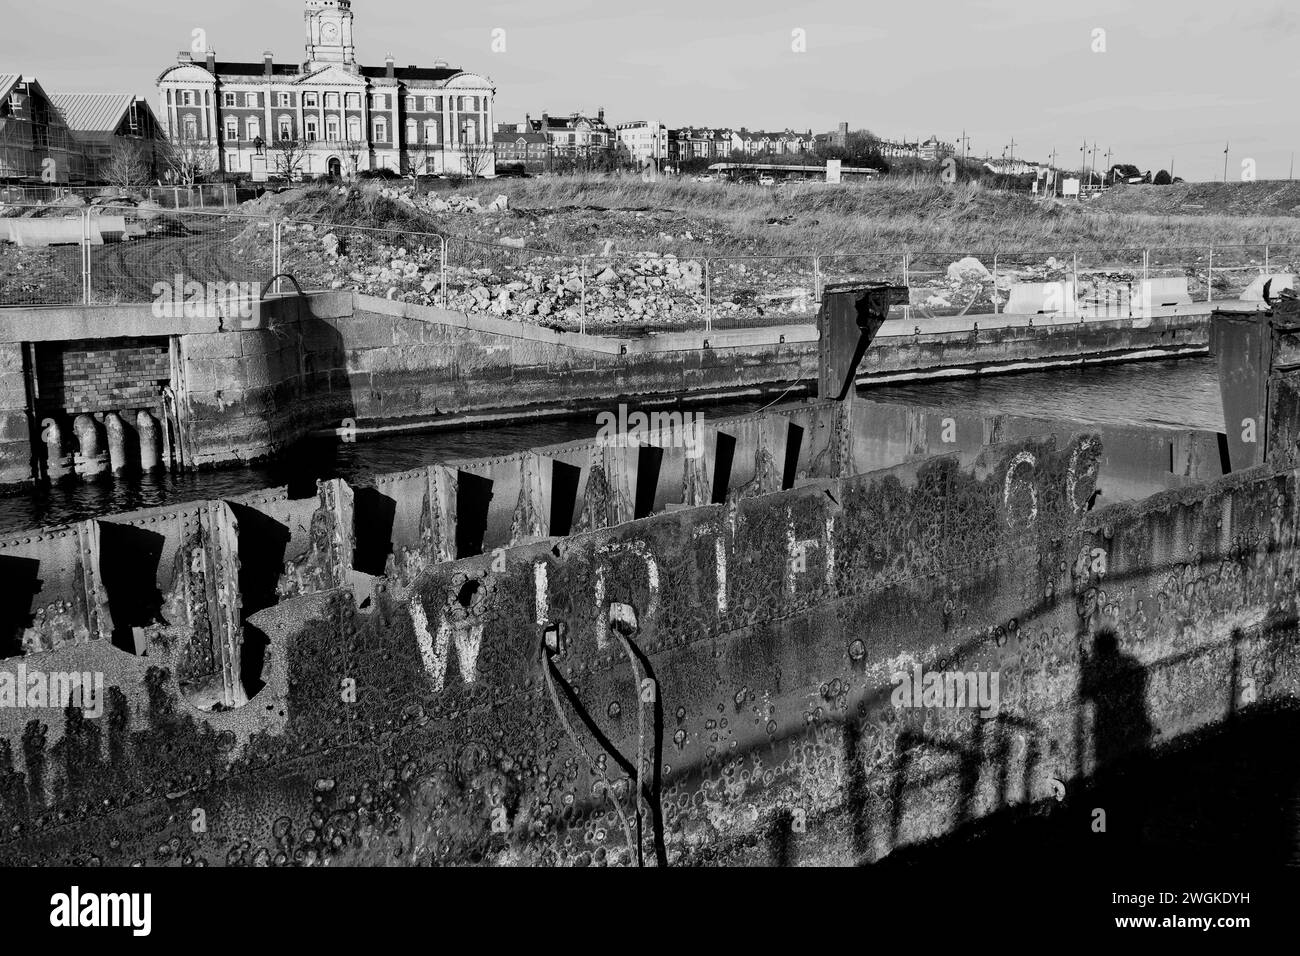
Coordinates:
93 112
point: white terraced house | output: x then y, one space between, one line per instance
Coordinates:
348 117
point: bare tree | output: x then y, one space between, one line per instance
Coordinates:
417 161
477 157
188 161
290 155
126 169
354 149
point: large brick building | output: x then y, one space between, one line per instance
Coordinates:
431 119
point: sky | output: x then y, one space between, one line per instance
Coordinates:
1165 82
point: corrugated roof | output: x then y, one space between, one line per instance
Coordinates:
92 112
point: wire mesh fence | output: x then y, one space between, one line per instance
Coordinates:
42 254
157 255
1109 283
948 284
762 290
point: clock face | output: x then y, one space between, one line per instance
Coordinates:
329 31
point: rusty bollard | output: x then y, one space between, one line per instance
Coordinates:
58 464
150 441
89 459
116 429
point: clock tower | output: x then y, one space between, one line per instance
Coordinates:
329 33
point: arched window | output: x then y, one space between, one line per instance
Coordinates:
191 127
286 127
354 129
430 131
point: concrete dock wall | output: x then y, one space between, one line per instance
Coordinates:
251 379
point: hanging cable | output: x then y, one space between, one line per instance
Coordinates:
548 665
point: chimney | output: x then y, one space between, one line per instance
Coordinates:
388 66
600 114
212 62
267 61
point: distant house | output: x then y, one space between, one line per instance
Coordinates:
934 149
100 120
576 135
516 146
645 143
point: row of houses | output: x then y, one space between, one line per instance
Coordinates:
551 141
539 144
58 139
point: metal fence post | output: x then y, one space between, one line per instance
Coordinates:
907 284
1146 265
1267 259
1209 281
85 256
442 273
1074 292
582 317
708 297
817 280
994 296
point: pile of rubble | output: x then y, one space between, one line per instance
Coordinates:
457 205
660 289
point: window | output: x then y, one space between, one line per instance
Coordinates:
354 101
410 103
286 127
191 127
310 127
254 128
229 99
308 100
465 106
187 98
381 130
381 101
428 104
430 131
331 101
332 128
354 129
410 132
232 130
285 100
